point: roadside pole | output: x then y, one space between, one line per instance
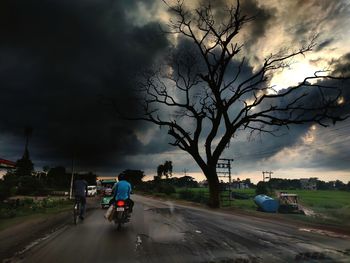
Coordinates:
71 180
223 169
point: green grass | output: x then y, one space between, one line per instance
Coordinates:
330 207
322 199
31 209
8 222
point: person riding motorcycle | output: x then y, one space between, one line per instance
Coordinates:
122 191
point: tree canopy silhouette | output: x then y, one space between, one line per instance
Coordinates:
204 96
165 170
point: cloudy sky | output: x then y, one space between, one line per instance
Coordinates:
63 62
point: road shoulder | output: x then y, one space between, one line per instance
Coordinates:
17 237
270 217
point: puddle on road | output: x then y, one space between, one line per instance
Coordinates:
163 232
164 225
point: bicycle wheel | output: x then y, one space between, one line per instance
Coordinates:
76 212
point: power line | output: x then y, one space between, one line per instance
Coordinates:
266 175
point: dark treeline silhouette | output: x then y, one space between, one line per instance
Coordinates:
286 184
165 170
17 182
295 184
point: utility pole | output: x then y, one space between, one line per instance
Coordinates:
71 180
185 171
267 176
223 169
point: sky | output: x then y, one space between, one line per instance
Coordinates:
65 66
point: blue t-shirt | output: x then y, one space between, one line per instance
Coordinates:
123 189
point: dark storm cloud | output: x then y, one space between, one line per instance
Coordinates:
324 44
343 67
332 149
314 16
262 18
57 58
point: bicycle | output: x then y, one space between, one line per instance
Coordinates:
76 209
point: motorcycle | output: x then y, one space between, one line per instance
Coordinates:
121 213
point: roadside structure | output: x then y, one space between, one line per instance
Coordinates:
6 164
309 183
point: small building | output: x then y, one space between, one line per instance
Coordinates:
239 185
308 183
203 183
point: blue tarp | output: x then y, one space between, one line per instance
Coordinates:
266 203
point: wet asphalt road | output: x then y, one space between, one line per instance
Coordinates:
162 232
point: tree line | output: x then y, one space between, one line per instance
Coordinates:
295 184
23 180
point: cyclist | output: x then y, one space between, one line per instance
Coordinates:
80 192
122 191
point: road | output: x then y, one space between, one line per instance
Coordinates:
164 232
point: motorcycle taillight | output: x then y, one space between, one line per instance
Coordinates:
120 203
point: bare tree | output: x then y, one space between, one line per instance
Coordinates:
203 97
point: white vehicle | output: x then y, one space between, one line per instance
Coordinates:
92 190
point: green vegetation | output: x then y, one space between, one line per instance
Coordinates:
15 210
331 207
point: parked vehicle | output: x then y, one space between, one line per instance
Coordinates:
92 190
288 203
121 213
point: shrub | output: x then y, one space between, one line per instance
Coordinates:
27 201
29 185
166 189
262 188
186 195
198 197
49 203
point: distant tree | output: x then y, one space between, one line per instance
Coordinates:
339 185
8 185
184 181
168 169
248 183
29 185
263 188
58 177
24 166
165 170
322 185
160 170
284 184
89 177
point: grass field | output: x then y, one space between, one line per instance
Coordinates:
330 207
30 208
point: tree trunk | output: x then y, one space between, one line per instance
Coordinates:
214 188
